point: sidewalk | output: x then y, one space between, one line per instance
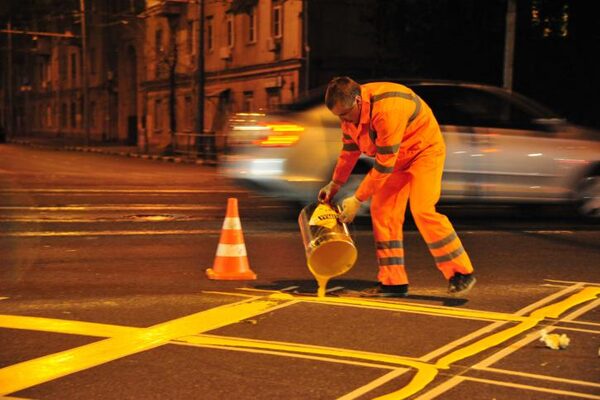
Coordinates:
69 144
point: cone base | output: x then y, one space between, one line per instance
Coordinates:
231 276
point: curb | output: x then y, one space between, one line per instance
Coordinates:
143 156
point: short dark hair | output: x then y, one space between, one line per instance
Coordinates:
341 89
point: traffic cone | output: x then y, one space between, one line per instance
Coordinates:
231 261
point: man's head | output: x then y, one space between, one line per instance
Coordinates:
343 99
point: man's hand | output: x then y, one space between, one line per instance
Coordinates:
350 207
328 191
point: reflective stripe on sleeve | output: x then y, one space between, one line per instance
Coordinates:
385 95
388 149
350 147
383 169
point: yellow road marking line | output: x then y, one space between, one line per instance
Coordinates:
194 342
34 372
578 313
534 388
404 307
56 365
550 311
373 384
425 372
490 328
64 326
541 377
526 340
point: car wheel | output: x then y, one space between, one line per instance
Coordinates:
588 196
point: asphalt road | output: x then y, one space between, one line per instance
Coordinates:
103 295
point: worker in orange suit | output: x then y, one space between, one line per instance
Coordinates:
389 122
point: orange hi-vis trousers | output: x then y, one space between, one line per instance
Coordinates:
421 182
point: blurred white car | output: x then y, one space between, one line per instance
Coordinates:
501 148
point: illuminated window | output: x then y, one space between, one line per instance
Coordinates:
277 21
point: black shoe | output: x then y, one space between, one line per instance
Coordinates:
460 284
385 291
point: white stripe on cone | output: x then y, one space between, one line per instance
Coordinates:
231 250
232 223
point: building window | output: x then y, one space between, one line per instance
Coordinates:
209 33
230 30
252 26
158 43
157 114
277 21
273 97
73 67
73 115
248 105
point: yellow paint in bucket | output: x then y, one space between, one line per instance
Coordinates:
330 251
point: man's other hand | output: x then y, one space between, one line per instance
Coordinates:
350 207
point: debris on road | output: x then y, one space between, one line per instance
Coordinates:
554 340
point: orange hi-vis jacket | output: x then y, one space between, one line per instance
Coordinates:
395 126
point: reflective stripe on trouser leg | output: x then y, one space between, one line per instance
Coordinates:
436 229
450 256
388 206
390 258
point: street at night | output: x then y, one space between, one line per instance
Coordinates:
104 295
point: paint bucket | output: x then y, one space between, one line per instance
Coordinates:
329 248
